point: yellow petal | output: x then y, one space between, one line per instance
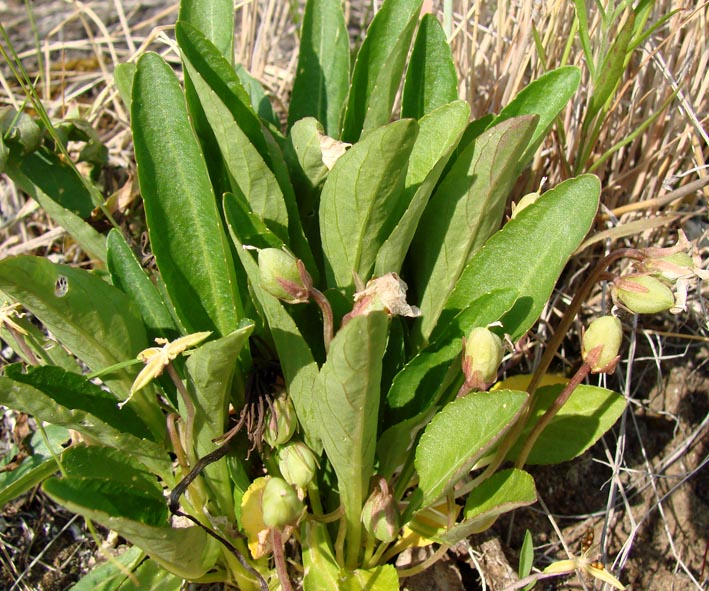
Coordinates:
183 343
252 518
603 575
562 566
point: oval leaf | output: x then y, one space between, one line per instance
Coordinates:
360 202
431 80
322 76
502 492
348 405
555 225
185 228
588 413
459 435
465 210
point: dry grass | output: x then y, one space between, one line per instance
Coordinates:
652 184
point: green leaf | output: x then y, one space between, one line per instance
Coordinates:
104 463
32 471
150 576
459 435
110 575
321 570
526 555
322 75
186 552
528 254
185 228
419 384
123 75
215 19
237 131
439 133
35 468
63 398
128 276
431 80
586 416
258 98
379 578
52 176
253 159
299 367
465 210
94 320
110 496
361 201
503 492
379 67
348 404
546 97
212 370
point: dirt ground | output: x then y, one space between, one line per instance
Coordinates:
643 490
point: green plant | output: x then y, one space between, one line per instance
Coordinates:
303 398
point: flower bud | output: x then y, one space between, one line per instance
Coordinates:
281 421
605 332
644 294
482 355
281 505
297 463
379 514
283 276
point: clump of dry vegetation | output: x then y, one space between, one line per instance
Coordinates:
643 490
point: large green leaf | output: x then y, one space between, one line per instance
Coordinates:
459 435
528 254
131 278
322 75
439 132
185 228
348 408
297 362
502 492
379 578
212 370
215 19
61 193
379 67
235 128
431 80
187 552
253 160
361 201
465 210
63 398
588 413
94 320
546 97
